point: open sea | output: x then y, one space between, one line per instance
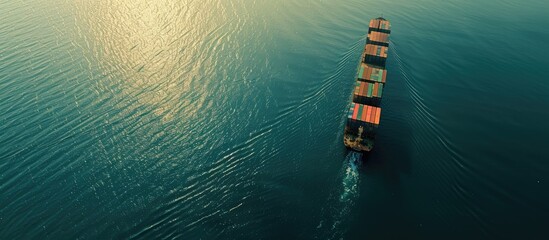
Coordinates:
224 119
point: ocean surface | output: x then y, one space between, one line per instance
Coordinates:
224 119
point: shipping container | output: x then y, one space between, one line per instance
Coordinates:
375 55
368 93
370 73
380 25
378 38
365 116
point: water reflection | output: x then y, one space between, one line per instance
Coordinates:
150 50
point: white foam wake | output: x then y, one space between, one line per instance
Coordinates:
349 194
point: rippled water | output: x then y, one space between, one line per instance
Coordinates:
224 119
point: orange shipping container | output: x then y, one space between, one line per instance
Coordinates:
372 116
355 111
378 37
364 113
381 24
369 113
374 23
378 116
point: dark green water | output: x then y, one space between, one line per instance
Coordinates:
224 120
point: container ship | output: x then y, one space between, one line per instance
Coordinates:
365 108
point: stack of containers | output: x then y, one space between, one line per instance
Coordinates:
375 54
368 93
365 112
380 25
365 116
378 38
370 73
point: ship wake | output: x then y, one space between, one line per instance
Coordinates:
341 203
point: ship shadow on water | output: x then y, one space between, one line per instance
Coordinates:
393 147
391 155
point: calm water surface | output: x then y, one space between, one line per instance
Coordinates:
224 120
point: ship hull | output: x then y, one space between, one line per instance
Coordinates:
364 113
